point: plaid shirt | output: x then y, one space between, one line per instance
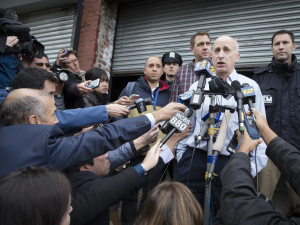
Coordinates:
185 77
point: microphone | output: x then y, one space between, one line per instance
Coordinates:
218 146
249 96
219 86
140 104
185 98
204 70
179 122
238 96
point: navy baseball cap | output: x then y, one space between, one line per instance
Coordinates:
171 57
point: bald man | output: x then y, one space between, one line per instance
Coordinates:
225 55
147 86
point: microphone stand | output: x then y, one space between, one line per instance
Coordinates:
211 132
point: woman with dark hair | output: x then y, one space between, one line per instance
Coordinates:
171 203
99 96
35 195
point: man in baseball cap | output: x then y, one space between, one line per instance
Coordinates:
171 62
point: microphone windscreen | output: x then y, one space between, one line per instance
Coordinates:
17 28
219 144
216 85
246 85
236 85
148 101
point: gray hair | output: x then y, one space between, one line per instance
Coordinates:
18 110
237 47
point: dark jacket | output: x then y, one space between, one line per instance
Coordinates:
142 88
26 145
101 195
83 181
92 99
280 87
70 93
239 203
9 67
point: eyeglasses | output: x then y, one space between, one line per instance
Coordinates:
40 64
72 61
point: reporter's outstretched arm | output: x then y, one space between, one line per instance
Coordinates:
115 110
261 122
239 203
129 150
167 112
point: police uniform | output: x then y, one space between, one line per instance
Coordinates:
280 87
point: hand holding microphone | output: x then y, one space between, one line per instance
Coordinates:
140 104
179 122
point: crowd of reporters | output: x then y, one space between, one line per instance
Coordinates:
64 144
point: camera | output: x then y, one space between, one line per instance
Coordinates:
62 75
10 26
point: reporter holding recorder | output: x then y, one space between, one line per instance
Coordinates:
239 201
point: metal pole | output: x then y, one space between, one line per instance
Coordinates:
207 190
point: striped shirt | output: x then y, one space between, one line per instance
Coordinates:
185 77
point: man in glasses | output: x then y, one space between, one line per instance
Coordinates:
76 84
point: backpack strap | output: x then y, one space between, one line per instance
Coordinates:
129 88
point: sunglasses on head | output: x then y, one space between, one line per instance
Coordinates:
40 64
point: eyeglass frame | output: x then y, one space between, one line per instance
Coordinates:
72 61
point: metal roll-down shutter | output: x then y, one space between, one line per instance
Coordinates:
146 28
52 27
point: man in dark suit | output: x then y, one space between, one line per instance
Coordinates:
22 143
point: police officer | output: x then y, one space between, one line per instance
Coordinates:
280 86
171 62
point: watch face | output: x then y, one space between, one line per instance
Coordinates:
63 76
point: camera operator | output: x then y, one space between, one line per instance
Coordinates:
11 64
239 202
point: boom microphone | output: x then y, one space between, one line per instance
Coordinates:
238 96
204 70
140 104
218 145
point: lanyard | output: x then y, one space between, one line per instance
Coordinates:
154 100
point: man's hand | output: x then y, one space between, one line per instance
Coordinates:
60 58
146 138
115 110
171 143
168 111
152 156
124 101
26 61
82 89
11 40
262 124
247 145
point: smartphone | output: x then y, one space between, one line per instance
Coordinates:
133 97
94 84
65 53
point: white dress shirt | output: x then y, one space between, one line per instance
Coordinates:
233 123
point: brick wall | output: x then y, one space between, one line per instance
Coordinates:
97 34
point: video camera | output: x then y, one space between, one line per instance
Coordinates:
10 26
